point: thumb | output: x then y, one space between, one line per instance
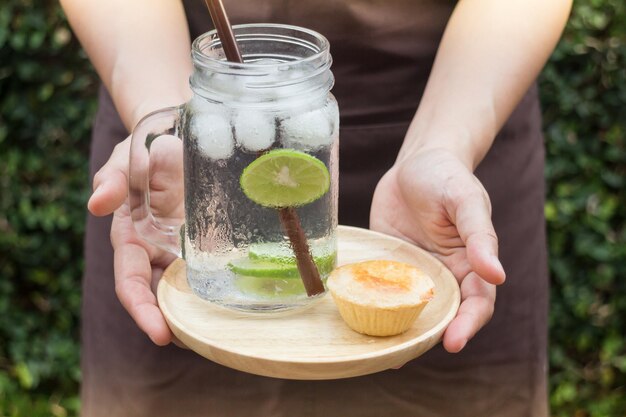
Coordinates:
111 182
473 222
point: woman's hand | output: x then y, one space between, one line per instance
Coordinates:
138 265
485 63
433 200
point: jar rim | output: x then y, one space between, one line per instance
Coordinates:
284 62
321 47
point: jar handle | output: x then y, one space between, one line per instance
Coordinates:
156 161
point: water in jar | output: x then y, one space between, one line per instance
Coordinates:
224 228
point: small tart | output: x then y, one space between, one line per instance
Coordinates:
380 297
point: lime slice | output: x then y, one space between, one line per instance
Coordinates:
285 178
278 268
263 269
324 256
271 251
270 287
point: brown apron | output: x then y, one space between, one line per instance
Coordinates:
383 51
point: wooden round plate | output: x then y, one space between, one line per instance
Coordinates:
315 343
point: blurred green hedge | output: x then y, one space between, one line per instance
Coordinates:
47 103
584 100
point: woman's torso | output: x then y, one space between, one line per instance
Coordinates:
383 52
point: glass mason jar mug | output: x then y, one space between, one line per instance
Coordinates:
241 181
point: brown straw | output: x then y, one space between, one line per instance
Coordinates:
288 216
306 266
224 30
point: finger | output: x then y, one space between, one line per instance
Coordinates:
133 277
473 221
478 298
111 182
157 273
166 176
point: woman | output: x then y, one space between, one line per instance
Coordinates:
431 176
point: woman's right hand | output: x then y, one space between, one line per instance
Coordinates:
138 265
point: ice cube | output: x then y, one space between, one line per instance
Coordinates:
254 130
213 134
309 130
199 104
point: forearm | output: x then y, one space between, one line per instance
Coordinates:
491 52
140 49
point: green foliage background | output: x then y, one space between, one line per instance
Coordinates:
584 100
47 103
46 107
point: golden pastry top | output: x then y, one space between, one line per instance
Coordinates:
383 275
381 283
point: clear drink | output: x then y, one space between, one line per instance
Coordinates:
237 251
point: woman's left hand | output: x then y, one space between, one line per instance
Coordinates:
434 201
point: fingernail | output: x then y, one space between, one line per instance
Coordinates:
463 345
97 190
496 262
92 198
